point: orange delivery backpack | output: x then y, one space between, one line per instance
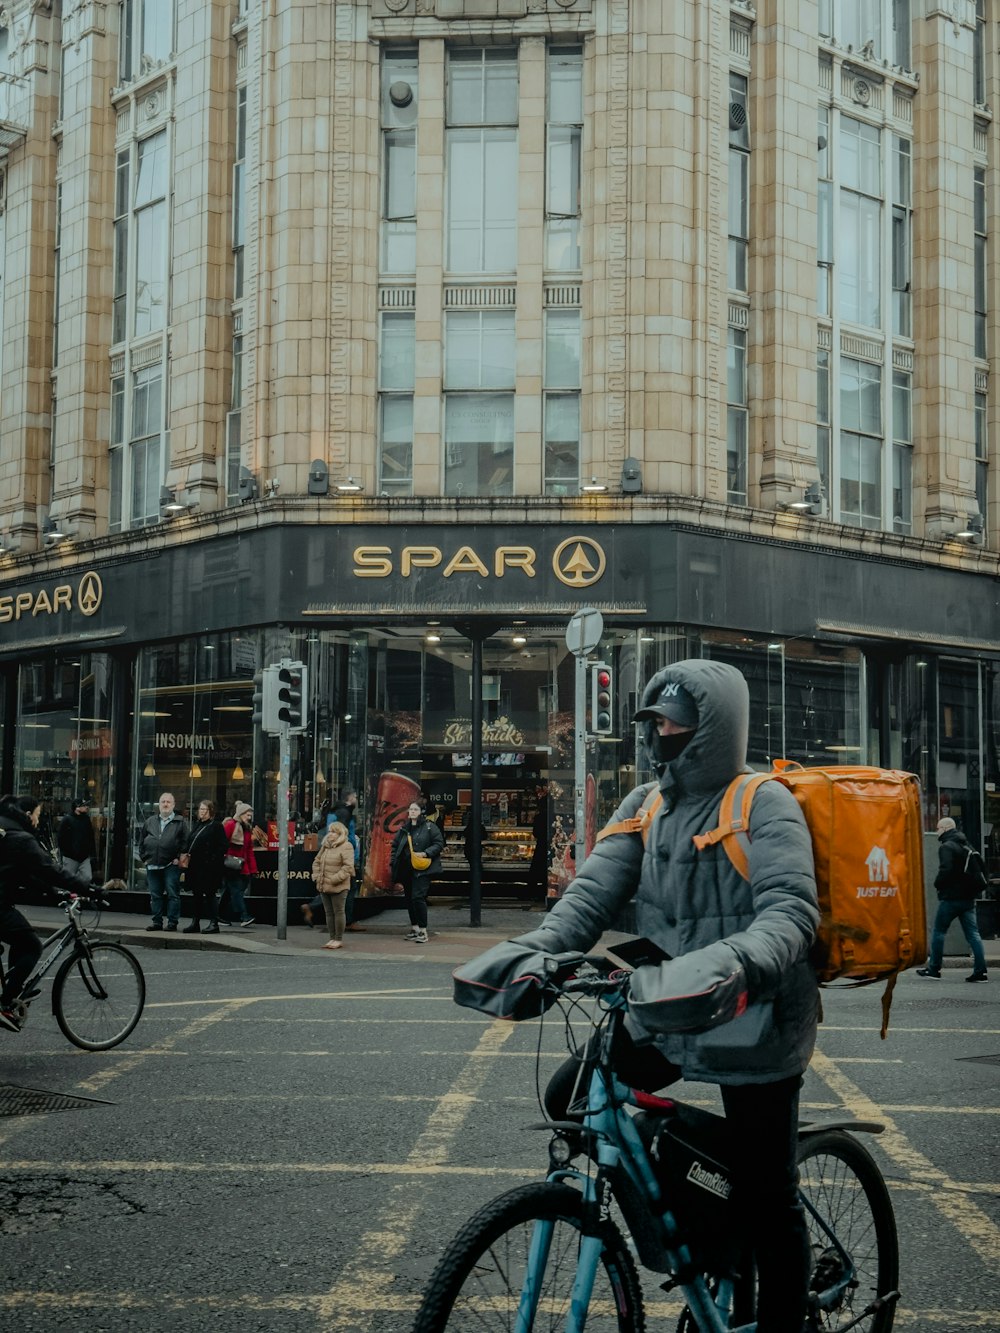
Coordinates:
867 842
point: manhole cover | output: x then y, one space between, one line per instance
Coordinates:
35 1101
982 1059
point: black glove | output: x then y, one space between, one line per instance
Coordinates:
510 981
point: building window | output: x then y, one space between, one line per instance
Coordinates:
563 136
860 443
982 457
481 161
979 55
145 36
145 461
902 229
979 214
396 378
823 418
736 417
479 403
561 463
120 271
399 162
860 223
902 451
239 193
901 33
234 425
739 182
150 231
824 229
863 24
58 277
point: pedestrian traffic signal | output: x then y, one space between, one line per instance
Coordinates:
601 699
291 682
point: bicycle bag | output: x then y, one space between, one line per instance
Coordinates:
867 842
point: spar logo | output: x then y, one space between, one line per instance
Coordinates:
29 604
878 886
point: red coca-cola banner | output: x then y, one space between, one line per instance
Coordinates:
394 794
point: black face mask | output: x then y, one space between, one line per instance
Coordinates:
667 748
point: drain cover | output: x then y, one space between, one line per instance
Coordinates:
982 1059
34 1101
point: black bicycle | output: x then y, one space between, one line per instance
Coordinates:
99 991
559 1256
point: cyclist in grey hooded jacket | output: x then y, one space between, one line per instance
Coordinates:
742 946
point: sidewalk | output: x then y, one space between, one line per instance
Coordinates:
452 938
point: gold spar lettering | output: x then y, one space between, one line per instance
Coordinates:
6 609
465 561
515 557
370 562
375 562
42 603
419 557
22 602
62 598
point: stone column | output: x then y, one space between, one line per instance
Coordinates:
943 269
428 414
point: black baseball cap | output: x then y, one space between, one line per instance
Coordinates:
675 703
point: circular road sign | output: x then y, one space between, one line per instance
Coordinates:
583 633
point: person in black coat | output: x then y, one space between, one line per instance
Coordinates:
427 840
75 840
24 863
958 886
206 848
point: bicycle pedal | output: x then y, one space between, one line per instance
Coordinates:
31 994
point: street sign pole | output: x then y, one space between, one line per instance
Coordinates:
284 771
583 634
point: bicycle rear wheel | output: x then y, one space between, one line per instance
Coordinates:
478 1283
98 995
841 1181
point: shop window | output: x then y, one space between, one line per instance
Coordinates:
823 697
563 137
761 664
65 741
481 161
958 769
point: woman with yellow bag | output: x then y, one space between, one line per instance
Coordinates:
416 849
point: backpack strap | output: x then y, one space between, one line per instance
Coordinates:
734 822
638 823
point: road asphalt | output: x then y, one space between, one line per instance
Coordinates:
452 939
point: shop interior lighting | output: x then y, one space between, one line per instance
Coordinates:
593 487
349 487
150 770
519 640
195 770
320 777
238 774
432 638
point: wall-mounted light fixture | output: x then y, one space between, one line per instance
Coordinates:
349 487
631 477
813 501
53 531
593 487
170 502
8 547
971 530
319 477
247 488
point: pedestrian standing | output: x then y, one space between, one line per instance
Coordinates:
75 840
333 871
420 840
164 837
958 886
239 868
203 867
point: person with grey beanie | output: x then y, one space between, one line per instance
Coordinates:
236 880
958 886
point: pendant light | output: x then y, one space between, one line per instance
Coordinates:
149 771
195 770
238 772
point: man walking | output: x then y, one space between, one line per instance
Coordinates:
164 837
959 881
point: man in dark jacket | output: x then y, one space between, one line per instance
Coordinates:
743 943
75 840
24 863
958 886
164 840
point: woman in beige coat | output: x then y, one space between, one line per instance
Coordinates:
333 871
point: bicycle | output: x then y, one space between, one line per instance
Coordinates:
554 1255
98 993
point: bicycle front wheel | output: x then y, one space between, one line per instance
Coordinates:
98 995
840 1180
479 1282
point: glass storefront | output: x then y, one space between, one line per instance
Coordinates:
389 714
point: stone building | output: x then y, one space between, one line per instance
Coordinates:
385 335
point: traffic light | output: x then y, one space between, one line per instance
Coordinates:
601 699
265 699
291 685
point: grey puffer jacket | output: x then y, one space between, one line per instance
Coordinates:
697 908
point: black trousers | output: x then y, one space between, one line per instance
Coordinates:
417 888
23 951
762 1131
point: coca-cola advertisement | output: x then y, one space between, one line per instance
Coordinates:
393 796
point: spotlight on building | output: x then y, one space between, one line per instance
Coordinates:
349 487
319 478
631 477
247 488
593 487
813 501
53 531
170 502
972 530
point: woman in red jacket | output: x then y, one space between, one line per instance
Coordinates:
236 880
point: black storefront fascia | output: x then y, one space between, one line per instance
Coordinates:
356 574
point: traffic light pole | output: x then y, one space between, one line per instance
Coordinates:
580 774
284 770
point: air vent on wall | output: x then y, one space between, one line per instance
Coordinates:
400 94
862 91
737 115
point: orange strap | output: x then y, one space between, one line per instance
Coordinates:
638 823
734 828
